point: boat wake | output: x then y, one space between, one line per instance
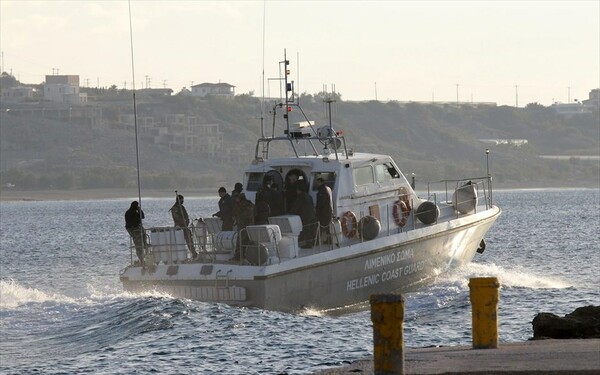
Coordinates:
517 277
13 295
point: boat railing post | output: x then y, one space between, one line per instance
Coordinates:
435 206
272 231
446 183
387 215
412 212
130 250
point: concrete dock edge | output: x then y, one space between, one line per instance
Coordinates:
576 356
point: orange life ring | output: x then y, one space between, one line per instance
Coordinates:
349 224
401 212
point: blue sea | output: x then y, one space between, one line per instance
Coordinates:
63 309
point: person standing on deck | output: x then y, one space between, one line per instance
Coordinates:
133 225
225 209
182 220
304 207
237 189
290 191
274 199
324 207
263 211
243 213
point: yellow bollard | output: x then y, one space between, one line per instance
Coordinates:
484 307
387 314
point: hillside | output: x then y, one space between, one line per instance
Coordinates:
432 141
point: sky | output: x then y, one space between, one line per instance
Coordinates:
506 52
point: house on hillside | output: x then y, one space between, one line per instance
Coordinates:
216 89
63 89
17 94
155 93
594 98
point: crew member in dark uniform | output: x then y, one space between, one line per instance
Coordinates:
243 213
324 208
133 224
237 189
182 220
225 209
305 208
263 211
274 199
290 191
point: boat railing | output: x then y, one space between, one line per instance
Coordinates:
452 188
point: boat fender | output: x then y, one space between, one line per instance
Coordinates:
428 212
369 228
257 255
349 224
481 247
401 212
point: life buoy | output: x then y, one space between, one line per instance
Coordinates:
401 212
349 224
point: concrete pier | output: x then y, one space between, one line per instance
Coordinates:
548 357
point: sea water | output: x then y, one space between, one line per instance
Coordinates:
63 309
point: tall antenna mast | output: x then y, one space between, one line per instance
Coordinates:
262 84
137 146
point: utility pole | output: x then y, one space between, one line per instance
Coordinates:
375 91
517 96
457 94
146 80
125 85
164 83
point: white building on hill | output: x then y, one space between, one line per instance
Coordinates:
217 89
63 89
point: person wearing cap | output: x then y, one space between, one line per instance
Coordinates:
225 209
133 225
182 220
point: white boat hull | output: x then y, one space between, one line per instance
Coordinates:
330 279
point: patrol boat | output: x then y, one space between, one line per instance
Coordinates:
383 237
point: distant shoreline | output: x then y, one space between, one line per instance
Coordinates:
8 195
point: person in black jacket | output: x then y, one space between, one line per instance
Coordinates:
305 208
133 224
324 207
225 209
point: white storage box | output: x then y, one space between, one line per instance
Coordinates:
288 224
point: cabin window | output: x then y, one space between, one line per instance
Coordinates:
254 181
385 172
329 178
363 176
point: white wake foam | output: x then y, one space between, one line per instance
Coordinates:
13 295
511 278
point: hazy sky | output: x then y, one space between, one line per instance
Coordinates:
398 50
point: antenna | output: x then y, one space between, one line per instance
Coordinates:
262 83
137 147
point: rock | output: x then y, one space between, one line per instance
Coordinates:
583 323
